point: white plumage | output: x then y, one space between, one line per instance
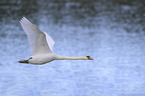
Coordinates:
37 39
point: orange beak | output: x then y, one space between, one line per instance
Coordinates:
90 58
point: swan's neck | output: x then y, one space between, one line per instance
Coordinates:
59 57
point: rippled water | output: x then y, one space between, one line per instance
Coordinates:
111 32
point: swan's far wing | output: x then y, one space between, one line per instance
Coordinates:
37 39
50 41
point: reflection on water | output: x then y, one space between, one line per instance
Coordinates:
112 32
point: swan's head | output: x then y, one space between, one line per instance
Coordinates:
89 58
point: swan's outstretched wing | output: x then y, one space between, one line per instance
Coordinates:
37 39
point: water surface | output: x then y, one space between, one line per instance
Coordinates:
111 32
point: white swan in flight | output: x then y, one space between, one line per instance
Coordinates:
42 46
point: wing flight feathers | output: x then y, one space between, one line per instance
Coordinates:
29 28
38 40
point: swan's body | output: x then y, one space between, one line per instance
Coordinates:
42 46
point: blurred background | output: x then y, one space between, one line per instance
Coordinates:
112 32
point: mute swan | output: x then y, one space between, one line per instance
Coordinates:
42 46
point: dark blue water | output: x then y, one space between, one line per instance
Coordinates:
111 32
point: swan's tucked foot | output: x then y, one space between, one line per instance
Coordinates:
23 61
